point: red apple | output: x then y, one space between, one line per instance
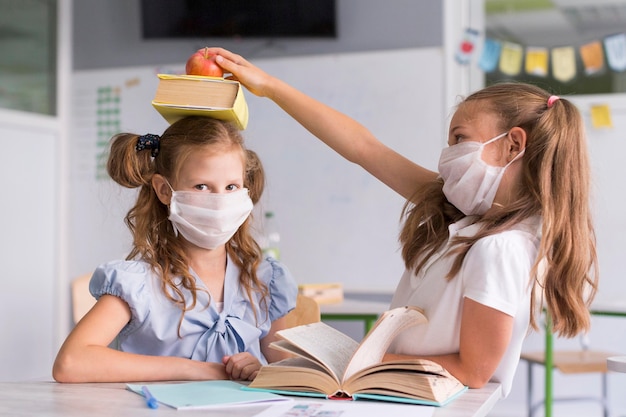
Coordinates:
203 63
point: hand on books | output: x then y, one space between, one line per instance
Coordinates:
250 76
241 366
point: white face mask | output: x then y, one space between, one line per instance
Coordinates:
469 182
209 220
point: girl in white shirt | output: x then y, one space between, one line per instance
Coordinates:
507 213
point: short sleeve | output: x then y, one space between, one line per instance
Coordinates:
496 270
127 280
283 290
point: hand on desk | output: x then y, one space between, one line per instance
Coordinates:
241 366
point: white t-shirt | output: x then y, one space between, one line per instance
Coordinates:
495 273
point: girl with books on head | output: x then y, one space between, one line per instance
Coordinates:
194 299
503 229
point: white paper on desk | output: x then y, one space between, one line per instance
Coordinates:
338 408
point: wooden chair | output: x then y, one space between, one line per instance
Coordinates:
82 300
567 362
307 311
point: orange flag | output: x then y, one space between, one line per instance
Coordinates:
593 57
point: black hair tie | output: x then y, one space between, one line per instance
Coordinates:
148 141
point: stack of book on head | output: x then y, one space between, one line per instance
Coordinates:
324 293
179 96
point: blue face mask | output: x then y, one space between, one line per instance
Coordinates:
469 182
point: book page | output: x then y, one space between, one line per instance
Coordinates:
288 347
332 348
377 341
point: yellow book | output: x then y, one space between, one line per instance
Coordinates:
179 96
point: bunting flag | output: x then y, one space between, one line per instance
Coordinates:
592 57
615 47
511 58
563 62
537 61
601 116
466 47
560 62
491 54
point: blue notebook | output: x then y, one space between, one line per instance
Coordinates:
204 394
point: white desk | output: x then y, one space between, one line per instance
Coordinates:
50 399
616 364
616 308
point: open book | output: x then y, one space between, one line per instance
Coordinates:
327 363
178 96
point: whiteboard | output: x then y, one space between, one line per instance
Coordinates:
337 223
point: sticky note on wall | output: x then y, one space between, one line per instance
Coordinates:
601 116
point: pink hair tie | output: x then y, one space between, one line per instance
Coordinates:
551 100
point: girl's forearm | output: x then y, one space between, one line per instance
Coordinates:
471 374
102 364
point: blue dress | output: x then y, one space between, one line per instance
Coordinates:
205 333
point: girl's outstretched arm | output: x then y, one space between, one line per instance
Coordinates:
86 357
343 134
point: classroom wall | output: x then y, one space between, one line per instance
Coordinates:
108 34
28 256
607 149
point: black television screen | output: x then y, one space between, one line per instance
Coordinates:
238 19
